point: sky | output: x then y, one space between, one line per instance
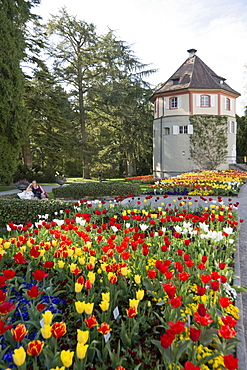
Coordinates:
161 31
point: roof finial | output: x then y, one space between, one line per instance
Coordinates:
191 52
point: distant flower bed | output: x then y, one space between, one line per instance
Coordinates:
225 182
114 288
145 178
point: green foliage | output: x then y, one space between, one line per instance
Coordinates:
96 189
21 211
110 99
241 137
8 159
13 123
51 126
208 144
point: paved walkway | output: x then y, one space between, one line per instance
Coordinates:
240 255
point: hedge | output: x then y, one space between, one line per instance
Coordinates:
21 211
96 189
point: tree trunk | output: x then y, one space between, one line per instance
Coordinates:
26 154
82 118
130 165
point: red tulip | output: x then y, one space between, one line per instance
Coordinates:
195 334
224 301
9 274
230 362
91 321
35 347
58 329
131 312
189 366
151 274
19 332
3 328
229 320
227 332
39 275
176 302
33 292
6 307
215 285
104 328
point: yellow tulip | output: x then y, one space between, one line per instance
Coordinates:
54 243
81 260
58 368
82 336
105 296
81 350
47 316
104 305
92 259
67 358
78 287
80 306
78 252
137 279
89 308
70 253
124 271
29 244
133 303
72 266
46 331
140 294
91 277
19 356
6 245
61 264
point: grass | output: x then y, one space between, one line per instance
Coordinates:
71 180
7 188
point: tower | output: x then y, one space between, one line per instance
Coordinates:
194 89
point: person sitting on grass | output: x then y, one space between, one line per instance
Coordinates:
38 191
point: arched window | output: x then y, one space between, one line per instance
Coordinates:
205 101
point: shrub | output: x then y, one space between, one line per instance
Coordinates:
96 189
21 211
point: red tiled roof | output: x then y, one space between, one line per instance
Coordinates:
194 74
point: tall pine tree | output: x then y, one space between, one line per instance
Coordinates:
14 14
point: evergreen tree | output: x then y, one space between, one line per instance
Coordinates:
123 126
14 15
88 63
51 127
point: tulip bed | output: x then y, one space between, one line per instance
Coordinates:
223 183
114 288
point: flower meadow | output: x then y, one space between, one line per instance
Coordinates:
222 182
121 288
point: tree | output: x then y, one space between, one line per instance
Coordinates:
208 144
124 120
242 137
88 63
51 126
14 15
